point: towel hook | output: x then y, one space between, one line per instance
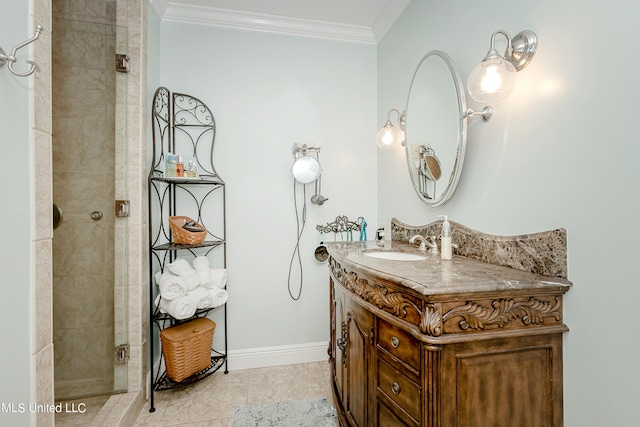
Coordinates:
11 59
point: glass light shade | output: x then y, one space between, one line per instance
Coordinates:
389 136
305 169
492 80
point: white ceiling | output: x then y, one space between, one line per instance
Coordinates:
356 21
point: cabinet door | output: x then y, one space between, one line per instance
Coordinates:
359 329
338 339
504 383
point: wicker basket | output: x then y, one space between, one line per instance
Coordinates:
187 347
182 236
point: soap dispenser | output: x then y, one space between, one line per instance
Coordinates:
445 239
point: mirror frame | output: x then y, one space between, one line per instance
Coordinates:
462 132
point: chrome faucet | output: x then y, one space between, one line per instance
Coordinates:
426 243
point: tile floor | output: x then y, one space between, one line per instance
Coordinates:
210 402
89 407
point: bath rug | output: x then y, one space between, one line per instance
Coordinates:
299 413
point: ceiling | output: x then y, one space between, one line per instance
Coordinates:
356 21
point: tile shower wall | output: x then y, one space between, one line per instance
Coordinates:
84 89
121 409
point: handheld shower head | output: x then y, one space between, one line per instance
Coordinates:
318 199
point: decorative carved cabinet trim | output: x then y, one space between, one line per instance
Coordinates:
452 317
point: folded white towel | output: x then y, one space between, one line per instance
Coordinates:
179 308
183 269
218 296
171 286
218 278
202 297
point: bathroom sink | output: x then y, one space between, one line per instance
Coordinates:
394 255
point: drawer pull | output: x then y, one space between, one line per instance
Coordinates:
395 342
395 388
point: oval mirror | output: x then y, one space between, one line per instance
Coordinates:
435 130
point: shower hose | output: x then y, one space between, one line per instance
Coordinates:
299 230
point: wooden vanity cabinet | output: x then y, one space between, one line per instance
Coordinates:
400 358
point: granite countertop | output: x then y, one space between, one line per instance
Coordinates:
433 276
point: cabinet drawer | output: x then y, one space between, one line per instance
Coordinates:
399 389
387 418
399 343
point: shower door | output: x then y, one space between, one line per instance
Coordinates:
89 243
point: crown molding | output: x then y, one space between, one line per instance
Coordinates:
392 11
159 6
222 18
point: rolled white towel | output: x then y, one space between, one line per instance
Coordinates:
179 308
218 278
183 269
191 279
179 266
157 303
171 286
218 296
205 278
202 297
201 263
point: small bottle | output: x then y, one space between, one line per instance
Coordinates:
170 166
380 234
445 239
192 169
180 167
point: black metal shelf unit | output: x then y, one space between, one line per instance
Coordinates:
184 125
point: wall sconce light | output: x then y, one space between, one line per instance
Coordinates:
390 136
493 79
486 113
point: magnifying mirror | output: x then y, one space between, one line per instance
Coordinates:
305 169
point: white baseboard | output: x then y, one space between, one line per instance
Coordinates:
275 356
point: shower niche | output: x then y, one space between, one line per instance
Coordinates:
184 133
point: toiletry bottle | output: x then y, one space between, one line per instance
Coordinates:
180 167
380 235
445 239
363 231
170 166
192 169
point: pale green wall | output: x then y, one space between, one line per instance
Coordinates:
562 151
267 92
15 226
